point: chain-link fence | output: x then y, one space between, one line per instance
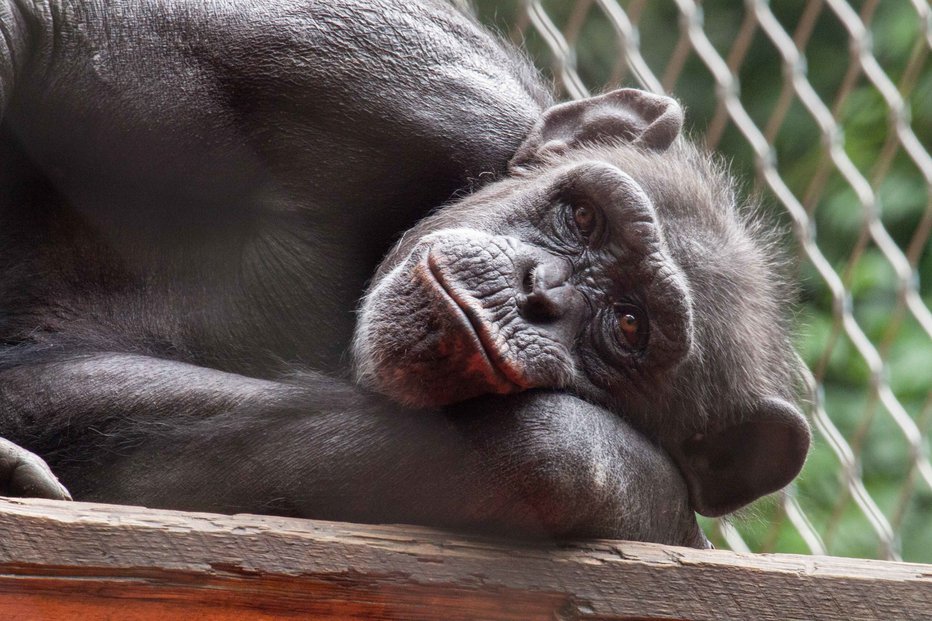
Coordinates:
827 106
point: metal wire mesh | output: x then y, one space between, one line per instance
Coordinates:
835 131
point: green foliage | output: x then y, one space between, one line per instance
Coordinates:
841 225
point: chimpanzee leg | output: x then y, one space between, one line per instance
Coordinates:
134 429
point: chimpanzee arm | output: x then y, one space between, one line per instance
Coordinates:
132 429
15 44
257 105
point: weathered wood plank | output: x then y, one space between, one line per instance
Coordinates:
83 561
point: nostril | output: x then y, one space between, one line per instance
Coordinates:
527 283
543 291
532 308
539 306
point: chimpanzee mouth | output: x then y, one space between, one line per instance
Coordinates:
500 375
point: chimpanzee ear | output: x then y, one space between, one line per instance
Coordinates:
727 469
626 114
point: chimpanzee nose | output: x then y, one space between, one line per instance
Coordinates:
544 294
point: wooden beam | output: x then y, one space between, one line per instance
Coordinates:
83 561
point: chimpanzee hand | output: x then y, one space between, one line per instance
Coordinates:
25 474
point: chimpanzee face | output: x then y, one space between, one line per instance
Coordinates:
612 263
559 279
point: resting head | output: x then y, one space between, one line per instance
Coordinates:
612 262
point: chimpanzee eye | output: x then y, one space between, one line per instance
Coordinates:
586 220
583 221
584 217
632 323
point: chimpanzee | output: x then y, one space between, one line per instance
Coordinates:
611 262
194 195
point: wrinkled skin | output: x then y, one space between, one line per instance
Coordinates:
194 195
618 269
515 310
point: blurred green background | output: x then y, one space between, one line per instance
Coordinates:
901 44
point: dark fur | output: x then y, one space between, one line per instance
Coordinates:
716 381
194 195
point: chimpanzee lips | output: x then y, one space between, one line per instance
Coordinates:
501 377
445 326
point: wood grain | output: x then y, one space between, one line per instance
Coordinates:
83 561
